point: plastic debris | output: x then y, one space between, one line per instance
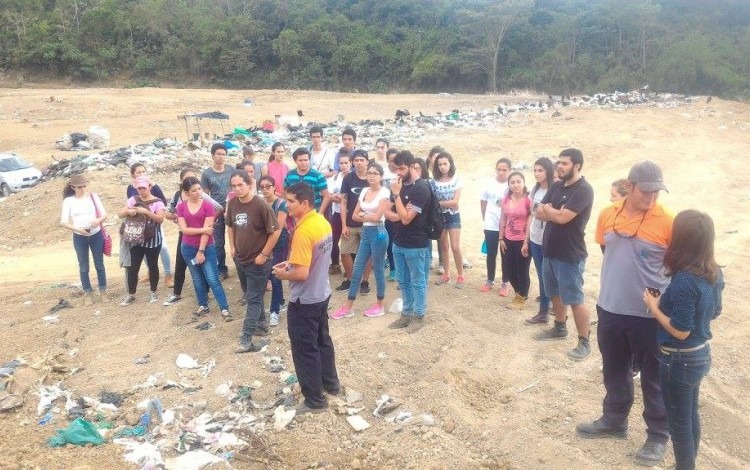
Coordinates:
282 417
80 432
397 306
143 359
192 460
145 454
352 396
110 397
61 304
186 362
205 326
385 405
10 401
46 419
47 396
357 423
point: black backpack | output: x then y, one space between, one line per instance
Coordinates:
435 220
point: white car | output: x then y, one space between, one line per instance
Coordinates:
16 174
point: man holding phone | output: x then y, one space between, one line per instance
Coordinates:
307 315
634 234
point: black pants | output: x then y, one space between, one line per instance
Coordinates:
516 267
336 228
492 239
152 261
179 268
623 338
389 227
312 351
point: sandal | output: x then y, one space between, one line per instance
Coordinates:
444 279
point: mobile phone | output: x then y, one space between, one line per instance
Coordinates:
194 261
654 291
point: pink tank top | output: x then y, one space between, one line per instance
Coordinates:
517 217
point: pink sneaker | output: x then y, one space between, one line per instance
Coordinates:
342 313
504 289
374 311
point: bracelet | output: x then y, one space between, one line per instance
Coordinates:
265 255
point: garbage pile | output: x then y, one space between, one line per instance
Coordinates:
97 138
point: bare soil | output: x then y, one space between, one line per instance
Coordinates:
500 399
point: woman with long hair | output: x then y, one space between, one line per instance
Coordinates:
448 190
180 266
514 227
276 167
544 173
83 214
196 219
145 203
490 201
684 313
281 249
373 201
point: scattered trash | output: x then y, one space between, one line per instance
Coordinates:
143 359
288 378
46 419
61 304
28 302
357 422
186 362
382 355
352 396
385 405
282 417
113 398
10 401
50 319
144 454
192 460
79 432
47 396
205 326
397 306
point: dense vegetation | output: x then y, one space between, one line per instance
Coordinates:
560 46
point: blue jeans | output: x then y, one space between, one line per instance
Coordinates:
680 375
221 254
370 246
256 276
538 257
204 273
277 288
411 272
82 245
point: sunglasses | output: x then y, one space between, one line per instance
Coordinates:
265 186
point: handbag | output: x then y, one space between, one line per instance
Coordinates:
107 250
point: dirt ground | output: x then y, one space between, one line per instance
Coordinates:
499 399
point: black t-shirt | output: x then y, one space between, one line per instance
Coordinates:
566 242
414 235
352 186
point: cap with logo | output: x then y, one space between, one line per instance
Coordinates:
648 176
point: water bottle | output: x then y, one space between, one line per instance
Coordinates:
382 233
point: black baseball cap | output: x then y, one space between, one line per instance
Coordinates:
647 175
360 153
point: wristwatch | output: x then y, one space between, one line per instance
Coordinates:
201 250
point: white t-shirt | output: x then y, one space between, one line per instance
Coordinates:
446 190
493 193
334 187
536 233
323 160
80 212
371 207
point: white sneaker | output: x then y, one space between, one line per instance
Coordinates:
274 321
171 300
154 298
129 299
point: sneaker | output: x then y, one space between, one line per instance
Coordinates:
169 281
402 322
541 318
504 289
249 346
226 315
443 279
519 303
650 454
342 313
487 286
153 298
582 351
201 312
334 269
274 321
599 429
129 299
416 324
460 282
171 300
392 275
374 311
282 308
344 285
467 264
559 331
364 288
302 409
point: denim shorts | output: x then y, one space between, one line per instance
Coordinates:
564 279
451 221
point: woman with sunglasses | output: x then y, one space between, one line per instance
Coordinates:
373 201
281 250
145 203
83 214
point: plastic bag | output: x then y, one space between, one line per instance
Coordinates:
80 432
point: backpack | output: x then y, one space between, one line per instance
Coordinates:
290 222
435 221
138 229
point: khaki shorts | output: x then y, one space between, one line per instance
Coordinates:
349 246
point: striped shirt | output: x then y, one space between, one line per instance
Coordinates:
155 206
314 178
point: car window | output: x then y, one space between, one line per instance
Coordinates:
13 164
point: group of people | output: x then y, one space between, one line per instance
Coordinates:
660 285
